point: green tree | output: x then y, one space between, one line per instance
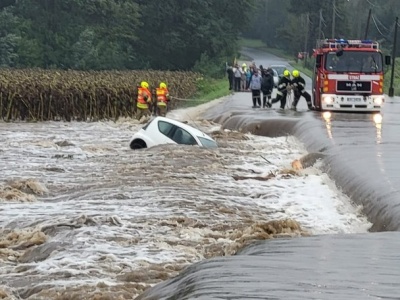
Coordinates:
177 34
9 38
121 34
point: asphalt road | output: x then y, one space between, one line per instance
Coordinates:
361 153
362 150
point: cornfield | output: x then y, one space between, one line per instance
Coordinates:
44 95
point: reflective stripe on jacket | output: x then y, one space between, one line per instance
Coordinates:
144 96
162 96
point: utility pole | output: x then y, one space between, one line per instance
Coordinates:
266 12
266 8
264 33
306 39
333 18
320 24
369 19
391 89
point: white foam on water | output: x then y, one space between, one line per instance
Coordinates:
113 210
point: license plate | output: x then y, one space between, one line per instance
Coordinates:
354 99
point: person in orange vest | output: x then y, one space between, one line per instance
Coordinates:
162 99
143 100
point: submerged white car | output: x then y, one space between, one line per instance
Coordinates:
161 130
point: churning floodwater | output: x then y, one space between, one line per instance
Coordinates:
85 217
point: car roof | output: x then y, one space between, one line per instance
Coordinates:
182 125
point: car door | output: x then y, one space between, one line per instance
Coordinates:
166 132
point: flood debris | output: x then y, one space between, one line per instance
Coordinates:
14 243
284 173
297 165
5 293
8 193
307 160
64 143
269 176
22 190
228 135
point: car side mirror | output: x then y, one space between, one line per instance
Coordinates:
339 52
388 60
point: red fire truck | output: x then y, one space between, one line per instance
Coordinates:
348 75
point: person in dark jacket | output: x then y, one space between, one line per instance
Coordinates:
229 71
267 84
284 86
299 90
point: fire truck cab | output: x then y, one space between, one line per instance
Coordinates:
348 75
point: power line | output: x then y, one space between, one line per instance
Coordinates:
372 4
377 28
337 12
380 23
333 19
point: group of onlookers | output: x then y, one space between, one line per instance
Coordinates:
252 78
260 80
239 77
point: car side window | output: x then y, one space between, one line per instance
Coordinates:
166 128
181 136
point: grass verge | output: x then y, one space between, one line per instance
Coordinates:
251 43
396 79
209 89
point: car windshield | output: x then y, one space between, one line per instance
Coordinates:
147 125
207 143
354 61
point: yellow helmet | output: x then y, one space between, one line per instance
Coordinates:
286 73
144 85
163 85
295 73
244 65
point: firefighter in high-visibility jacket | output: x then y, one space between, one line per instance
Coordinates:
284 85
162 99
299 90
143 100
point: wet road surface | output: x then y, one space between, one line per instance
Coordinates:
303 268
361 154
362 149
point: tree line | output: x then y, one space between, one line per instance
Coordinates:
174 34
121 34
295 25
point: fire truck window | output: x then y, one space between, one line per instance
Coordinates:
332 61
352 61
370 64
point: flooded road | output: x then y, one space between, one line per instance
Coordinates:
360 153
361 149
83 216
